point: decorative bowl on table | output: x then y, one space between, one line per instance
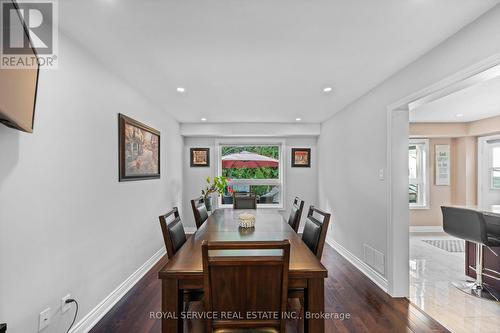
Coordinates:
247 220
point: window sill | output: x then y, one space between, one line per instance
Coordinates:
419 207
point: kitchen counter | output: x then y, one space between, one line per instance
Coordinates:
491 209
491 215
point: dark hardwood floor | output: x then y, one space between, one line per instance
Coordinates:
347 290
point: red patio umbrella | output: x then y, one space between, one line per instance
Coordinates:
246 159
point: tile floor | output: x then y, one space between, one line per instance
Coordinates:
431 272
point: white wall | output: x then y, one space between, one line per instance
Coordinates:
251 130
66 224
298 181
353 144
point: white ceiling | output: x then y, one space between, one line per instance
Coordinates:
260 60
479 101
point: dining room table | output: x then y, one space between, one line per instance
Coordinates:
185 269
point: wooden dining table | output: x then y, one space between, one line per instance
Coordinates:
185 269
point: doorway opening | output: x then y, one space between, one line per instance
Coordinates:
444 150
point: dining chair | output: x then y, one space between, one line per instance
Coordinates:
296 213
200 211
313 236
315 229
246 278
244 200
174 237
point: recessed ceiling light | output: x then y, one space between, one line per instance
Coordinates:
459 115
298 119
203 119
327 89
181 89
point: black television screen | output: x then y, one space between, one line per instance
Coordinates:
18 86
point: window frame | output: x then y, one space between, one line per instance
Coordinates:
484 162
492 169
425 177
254 142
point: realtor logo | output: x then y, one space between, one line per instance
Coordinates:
27 25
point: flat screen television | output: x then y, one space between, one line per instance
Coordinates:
18 88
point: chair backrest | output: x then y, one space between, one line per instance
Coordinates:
243 200
199 211
173 231
315 229
296 213
464 223
243 277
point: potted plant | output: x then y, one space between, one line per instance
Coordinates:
214 185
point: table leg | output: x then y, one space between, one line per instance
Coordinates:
315 306
171 306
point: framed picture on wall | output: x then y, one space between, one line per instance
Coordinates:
301 157
199 157
442 165
139 150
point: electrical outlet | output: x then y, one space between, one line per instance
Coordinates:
65 306
44 319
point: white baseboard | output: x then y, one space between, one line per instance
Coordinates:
93 317
372 274
418 229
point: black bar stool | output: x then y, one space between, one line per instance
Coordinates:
470 225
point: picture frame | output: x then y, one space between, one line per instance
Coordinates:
442 168
199 157
301 157
138 150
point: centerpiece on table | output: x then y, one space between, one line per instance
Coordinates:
247 220
214 185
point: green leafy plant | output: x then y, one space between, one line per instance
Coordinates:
215 185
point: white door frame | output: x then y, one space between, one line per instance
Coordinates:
398 242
